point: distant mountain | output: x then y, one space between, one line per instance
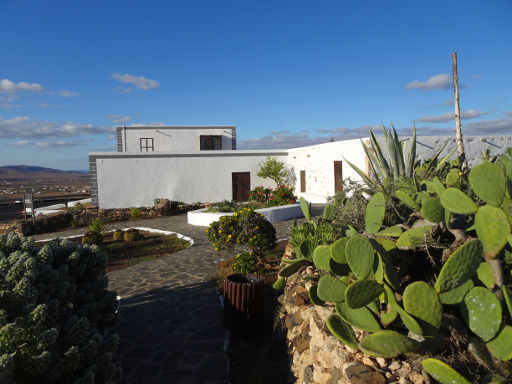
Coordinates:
30 172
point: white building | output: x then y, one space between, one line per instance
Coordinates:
193 164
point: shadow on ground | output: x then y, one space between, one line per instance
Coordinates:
172 335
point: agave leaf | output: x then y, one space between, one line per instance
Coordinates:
399 152
374 164
444 159
363 175
412 154
378 150
391 153
434 158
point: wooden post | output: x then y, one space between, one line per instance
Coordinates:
458 130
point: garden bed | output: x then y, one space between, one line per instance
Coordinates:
153 243
276 214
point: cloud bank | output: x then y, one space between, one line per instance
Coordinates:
464 115
140 82
440 81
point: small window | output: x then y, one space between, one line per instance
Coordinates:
211 143
146 144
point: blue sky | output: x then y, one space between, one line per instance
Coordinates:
286 73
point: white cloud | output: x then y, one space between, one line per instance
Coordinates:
49 144
440 81
464 115
66 93
22 127
9 86
140 82
119 119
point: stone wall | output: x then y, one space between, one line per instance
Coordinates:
81 217
318 357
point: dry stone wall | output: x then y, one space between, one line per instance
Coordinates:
317 357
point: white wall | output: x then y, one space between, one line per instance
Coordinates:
318 162
135 180
173 139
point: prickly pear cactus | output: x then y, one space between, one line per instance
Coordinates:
481 310
456 201
387 344
375 211
342 331
492 228
500 346
360 256
322 257
331 289
362 292
488 182
360 318
422 301
338 250
432 210
442 372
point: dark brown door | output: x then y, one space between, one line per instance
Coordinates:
303 181
338 176
241 185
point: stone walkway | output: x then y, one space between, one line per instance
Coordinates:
171 329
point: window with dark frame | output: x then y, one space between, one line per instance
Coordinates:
210 143
147 144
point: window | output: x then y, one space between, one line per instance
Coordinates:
210 143
146 144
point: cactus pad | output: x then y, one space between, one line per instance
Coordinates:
409 321
394 231
414 236
306 249
339 269
481 310
484 274
422 301
293 267
342 331
313 295
361 292
456 295
501 347
360 256
388 315
329 212
361 318
443 372
279 284
331 289
457 201
375 211
304 206
407 200
432 210
387 344
488 182
338 250
452 178
492 228
438 186
460 266
322 256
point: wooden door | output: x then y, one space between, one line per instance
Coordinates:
338 176
303 181
241 185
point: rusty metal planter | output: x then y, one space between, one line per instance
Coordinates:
243 303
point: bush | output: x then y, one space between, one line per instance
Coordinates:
259 194
118 235
135 213
131 234
281 195
92 237
96 225
56 313
224 206
245 262
245 228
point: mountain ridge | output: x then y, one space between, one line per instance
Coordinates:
31 172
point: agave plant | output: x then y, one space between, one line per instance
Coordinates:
400 161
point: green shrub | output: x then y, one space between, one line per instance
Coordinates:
131 234
245 262
224 206
92 237
245 228
96 225
56 313
156 201
118 235
135 213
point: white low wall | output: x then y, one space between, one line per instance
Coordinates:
74 203
273 214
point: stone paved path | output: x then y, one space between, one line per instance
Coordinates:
171 329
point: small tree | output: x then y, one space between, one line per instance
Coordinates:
273 169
